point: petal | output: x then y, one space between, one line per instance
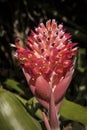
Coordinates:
43 103
43 28
53 25
42 89
48 24
32 88
20 49
62 86
28 77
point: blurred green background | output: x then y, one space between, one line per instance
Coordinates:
17 17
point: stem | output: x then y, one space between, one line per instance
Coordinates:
53 114
46 121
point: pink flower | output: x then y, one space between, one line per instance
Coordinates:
47 62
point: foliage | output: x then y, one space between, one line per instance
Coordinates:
16 20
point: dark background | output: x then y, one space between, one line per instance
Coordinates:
17 17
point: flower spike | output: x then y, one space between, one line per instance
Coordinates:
48 65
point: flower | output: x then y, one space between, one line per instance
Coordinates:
47 61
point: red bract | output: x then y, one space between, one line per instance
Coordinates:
47 61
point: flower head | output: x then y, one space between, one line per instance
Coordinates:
47 59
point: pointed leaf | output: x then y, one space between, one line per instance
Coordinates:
13 115
74 112
14 85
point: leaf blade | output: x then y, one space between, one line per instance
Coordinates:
73 111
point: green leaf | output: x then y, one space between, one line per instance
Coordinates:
14 85
34 108
74 112
13 115
69 110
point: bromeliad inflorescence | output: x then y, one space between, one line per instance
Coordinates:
47 62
